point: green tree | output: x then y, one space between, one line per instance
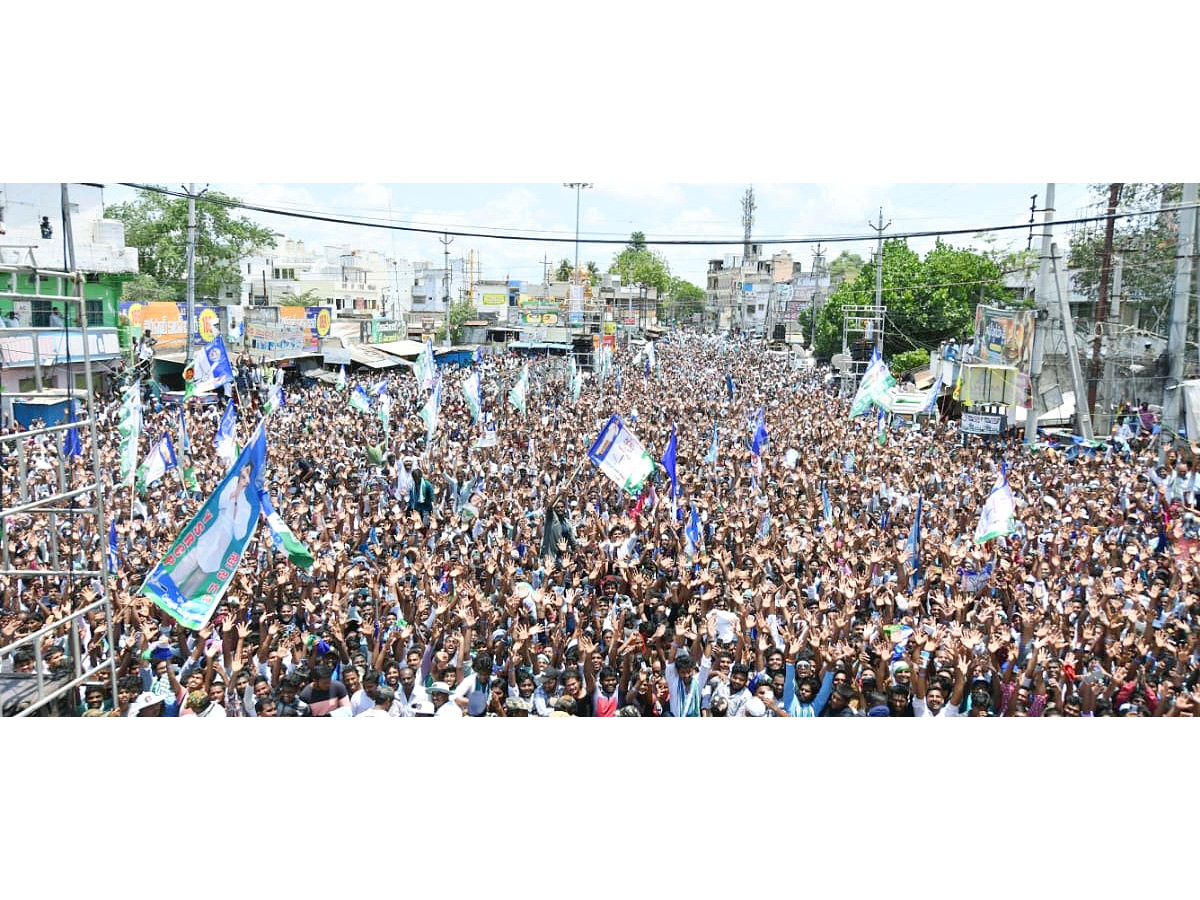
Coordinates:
684 300
593 271
908 360
156 225
927 300
845 268
460 311
1148 244
563 272
146 289
309 298
637 264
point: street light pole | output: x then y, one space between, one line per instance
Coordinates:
578 186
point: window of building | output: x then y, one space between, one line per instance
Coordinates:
95 312
25 385
40 313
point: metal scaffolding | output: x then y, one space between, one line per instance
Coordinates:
44 510
862 332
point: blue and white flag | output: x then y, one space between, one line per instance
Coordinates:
431 411
159 462
471 393
72 445
225 439
711 458
912 549
691 534
651 357
359 400
760 432
425 366
764 526
340 384
931 404
185 444
199 566
275 399
520 390
826 506
873 388
379 388
973 581
282 536
668 462
209 370
114 557
619 454
729 386
998 517
385 412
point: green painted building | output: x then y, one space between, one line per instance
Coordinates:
102 291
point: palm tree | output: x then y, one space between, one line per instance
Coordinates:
563 272
593 271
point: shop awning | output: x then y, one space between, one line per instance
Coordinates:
371 357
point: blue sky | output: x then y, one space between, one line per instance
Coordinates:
611 210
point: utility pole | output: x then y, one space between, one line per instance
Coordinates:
579 186
879 281
191 268
1114 195
1172 394
191 272
1042 304
818 272
545 276
1107 395
1083 414
1032 211
446 242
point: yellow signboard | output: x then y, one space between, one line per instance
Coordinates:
495 299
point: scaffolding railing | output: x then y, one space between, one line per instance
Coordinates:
862 331
61 501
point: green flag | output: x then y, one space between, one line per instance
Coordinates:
520 390
129 425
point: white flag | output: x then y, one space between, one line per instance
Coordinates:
999 513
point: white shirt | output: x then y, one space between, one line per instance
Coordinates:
477 700
403 705
449 709
374 713
920 710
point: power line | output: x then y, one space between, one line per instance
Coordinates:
661 242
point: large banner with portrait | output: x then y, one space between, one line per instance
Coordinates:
190 580
1004 337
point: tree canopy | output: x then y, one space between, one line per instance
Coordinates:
157 226
928 300
460 311
684 300
845 267
637 264
1147 243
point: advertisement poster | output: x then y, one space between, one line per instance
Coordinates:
1004 337
168 322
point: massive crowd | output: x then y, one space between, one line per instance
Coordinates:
518 580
